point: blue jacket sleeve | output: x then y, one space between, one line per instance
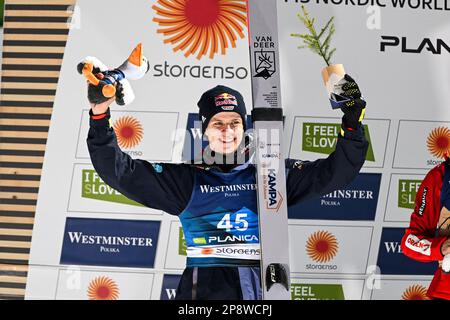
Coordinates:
310 179
162 186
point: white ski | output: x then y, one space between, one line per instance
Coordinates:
268 125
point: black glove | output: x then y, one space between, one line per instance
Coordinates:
355 108
95 94
120 94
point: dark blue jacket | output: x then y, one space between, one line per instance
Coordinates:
173 189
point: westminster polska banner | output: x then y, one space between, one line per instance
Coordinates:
343 245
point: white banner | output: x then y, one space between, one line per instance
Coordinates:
397 53
88 285
329 249
401 290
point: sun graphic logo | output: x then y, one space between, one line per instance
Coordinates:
129 132
207 251
438 142
322 246
103 288
415 292
201 27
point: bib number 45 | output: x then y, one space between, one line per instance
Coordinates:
239 223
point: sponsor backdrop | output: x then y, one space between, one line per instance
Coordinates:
91 242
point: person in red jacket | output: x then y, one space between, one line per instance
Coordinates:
427 238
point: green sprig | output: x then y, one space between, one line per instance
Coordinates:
313 41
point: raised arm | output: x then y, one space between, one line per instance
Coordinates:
310 179
307 180
162 186
421 242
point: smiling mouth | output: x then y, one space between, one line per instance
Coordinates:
227 141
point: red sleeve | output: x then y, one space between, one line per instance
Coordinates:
419 241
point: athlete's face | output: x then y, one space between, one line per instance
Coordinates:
225 131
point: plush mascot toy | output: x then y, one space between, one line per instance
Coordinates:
105 84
